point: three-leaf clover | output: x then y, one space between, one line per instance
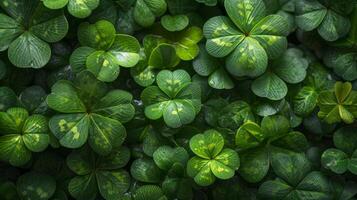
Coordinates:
26 31
344 157
289 68
103 51
248 37
339 104
295 180
260 144
101 173
211 160
176 98
89 111
77 8
21 135
327 16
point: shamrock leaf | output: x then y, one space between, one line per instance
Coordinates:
149 192
34 185
155 55
77 8
248 37
101 173
145 170
343 63
21 135
235 114
339 104
344 157
146 11
260 144
89 112
295 180
103 51
27 29
176 98
206 65
290 68
328 17
211 159
175 22
184 41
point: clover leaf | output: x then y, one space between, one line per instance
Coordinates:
173 161
103 51
248 37
343 63
260 144
290 68
295 180
211 160
339 104
328 17
344 157
21 135
89 111
305 101
185 41
176 98
146 11
174 22
149 192
34 185
98 173
206 65
77 8
155 55
27 28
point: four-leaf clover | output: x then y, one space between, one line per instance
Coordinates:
248 37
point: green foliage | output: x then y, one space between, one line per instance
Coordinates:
211 159
178 99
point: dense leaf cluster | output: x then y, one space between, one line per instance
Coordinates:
178 99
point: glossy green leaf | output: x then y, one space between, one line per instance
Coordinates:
270 86
175 22
145 11
145 170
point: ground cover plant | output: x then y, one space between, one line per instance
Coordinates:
178 99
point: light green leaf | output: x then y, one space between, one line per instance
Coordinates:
35 133
163 57
305 101
55 4
70 129
13 150
165 157
249 135
82 8
126 50
10 29
172 82
199 169
174 22
207 145
178 113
